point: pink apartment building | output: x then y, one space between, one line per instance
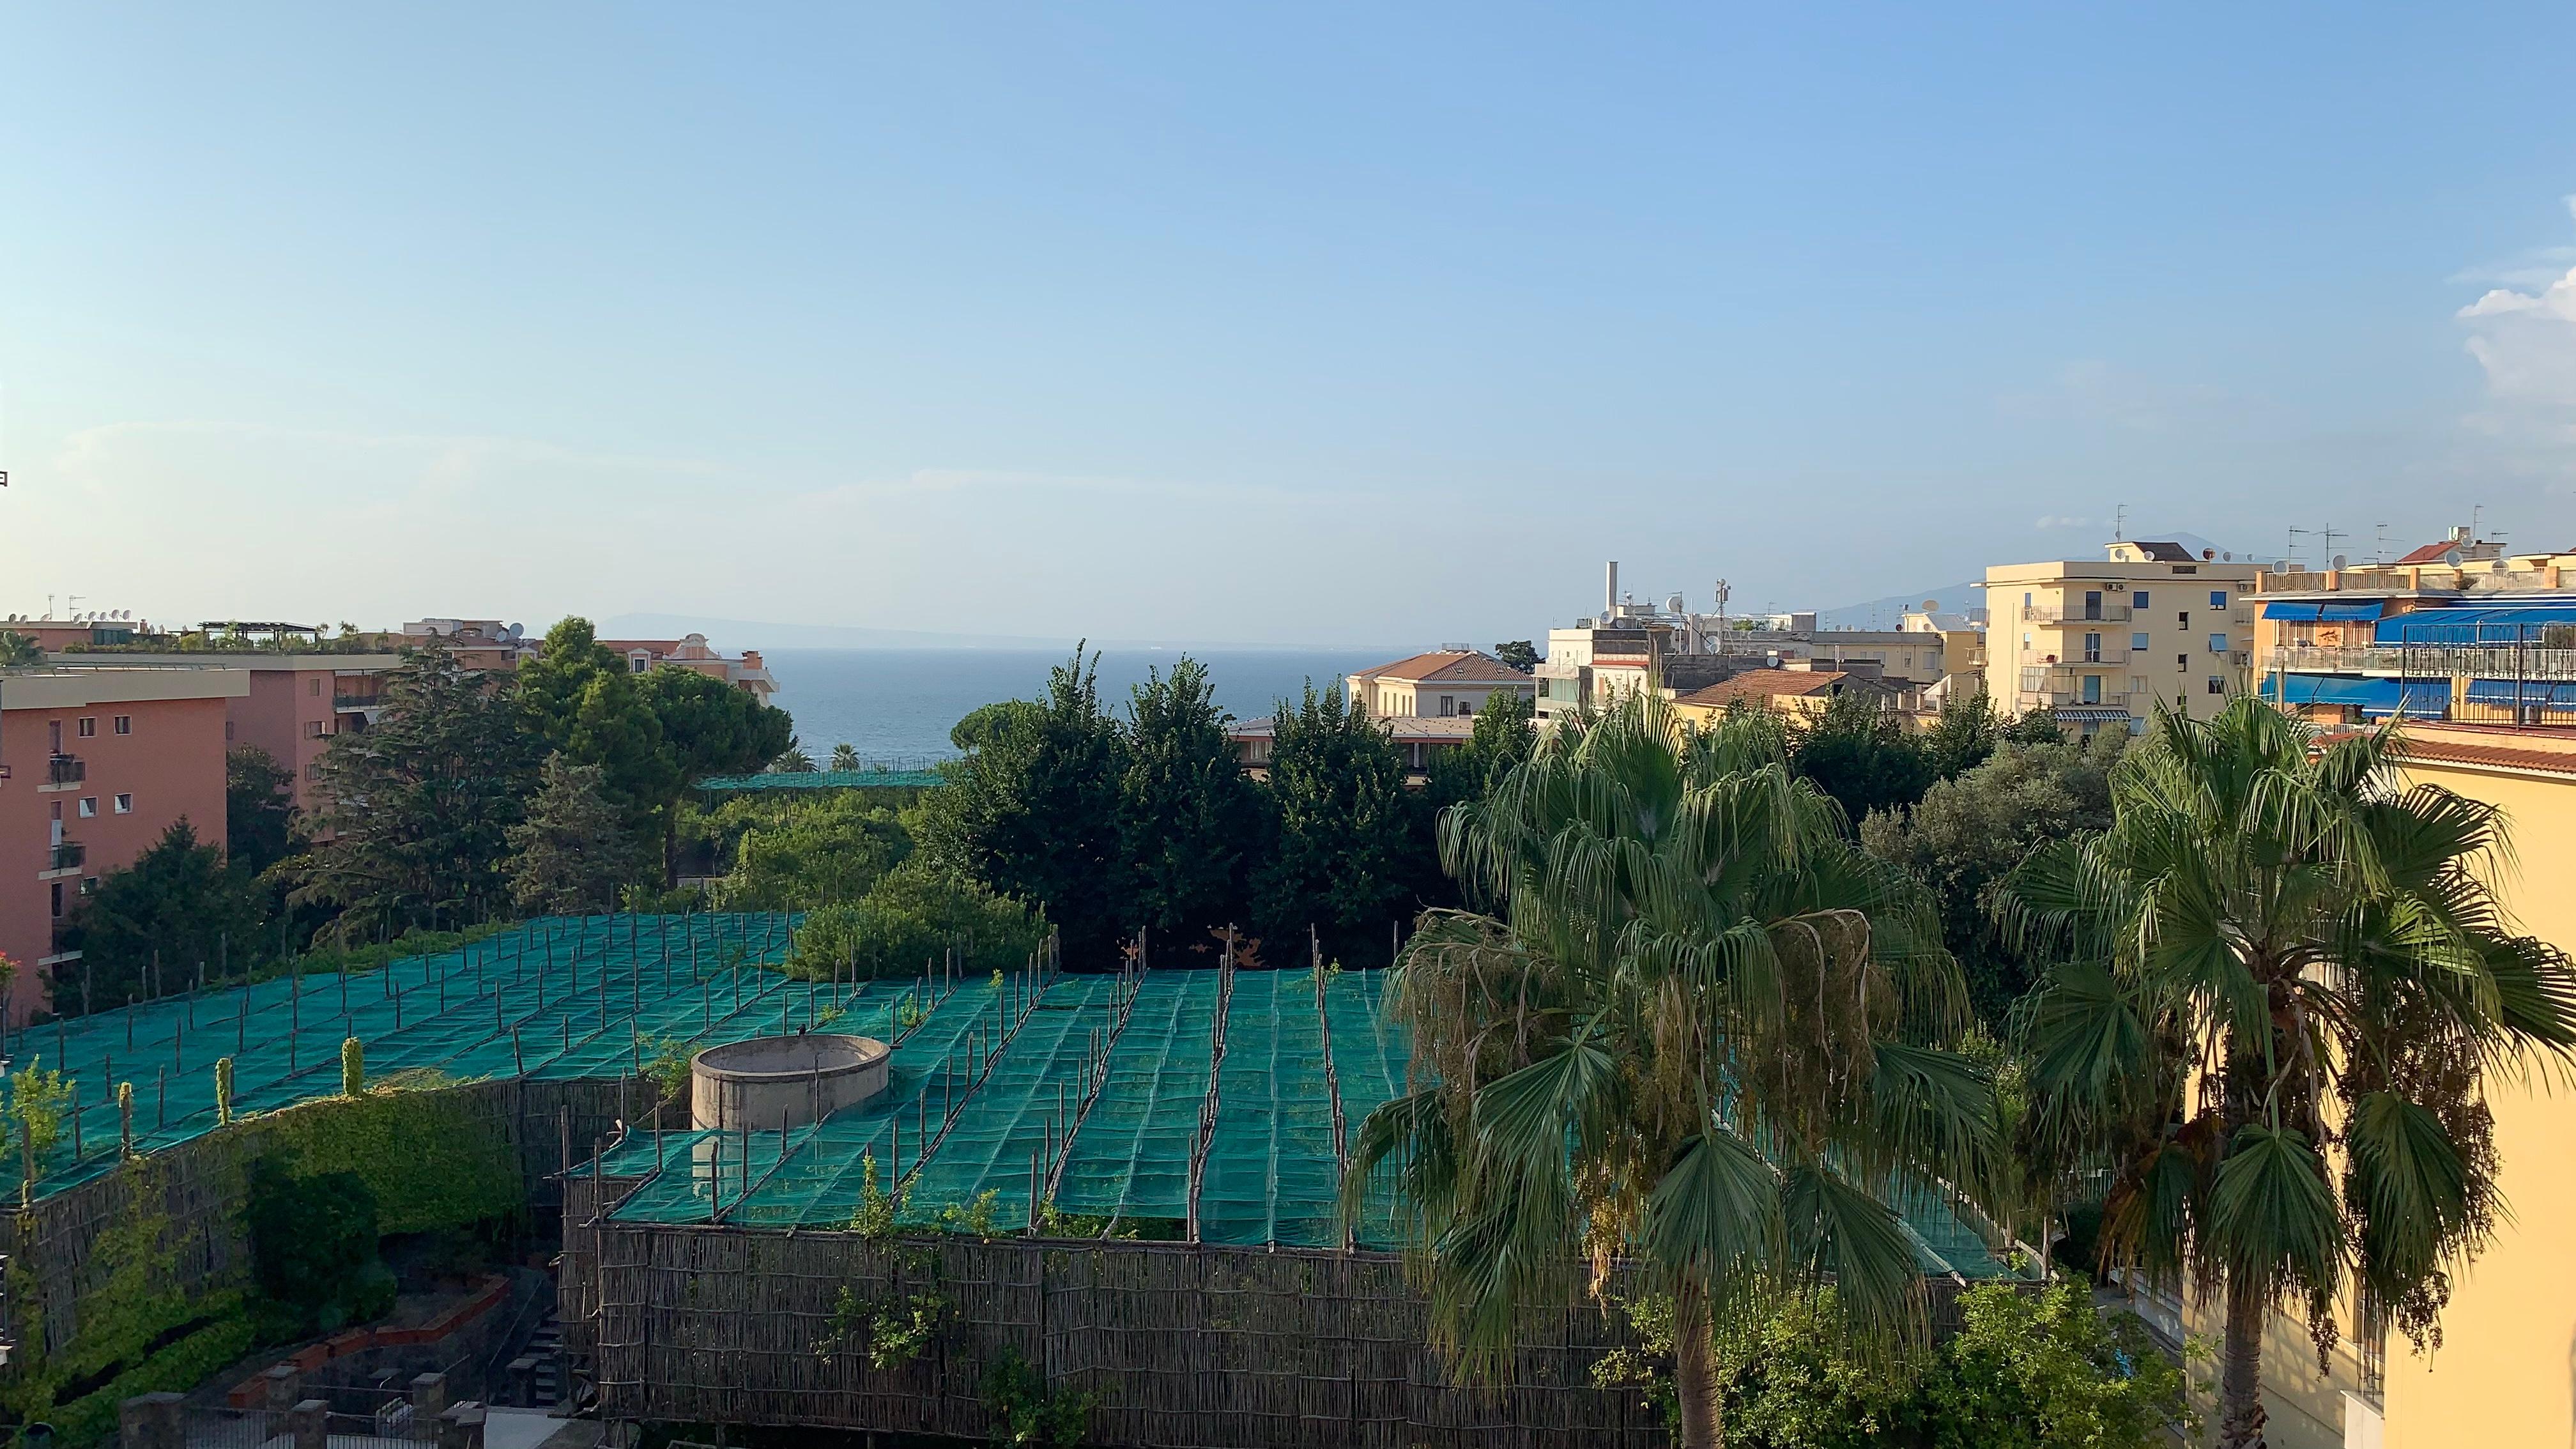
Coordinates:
295 703
95 764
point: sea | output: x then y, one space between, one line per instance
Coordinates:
896 706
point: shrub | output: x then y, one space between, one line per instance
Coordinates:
314 1240
915 914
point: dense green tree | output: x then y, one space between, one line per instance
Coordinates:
2284 984
1964 735
1191 822
1505 733
1520 654
572 854
834 847
1033 811
1702 1032
1969 832
711 727
179 903
421 804
18 651
588 703
1347 833
1856 750
261 824
2035 727
910 920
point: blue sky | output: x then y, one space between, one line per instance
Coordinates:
1308 325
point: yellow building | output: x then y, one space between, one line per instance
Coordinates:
1799 693
1440 685
2100 644
2504 1376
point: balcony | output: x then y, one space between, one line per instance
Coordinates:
2109 699
2061 614
2426 662
346 702
64 772
65 859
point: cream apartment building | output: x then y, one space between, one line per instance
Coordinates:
2100 644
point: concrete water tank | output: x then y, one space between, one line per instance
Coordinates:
793 1079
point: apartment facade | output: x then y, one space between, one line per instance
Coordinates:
95 764
293 707
1438 685
2455 631
1800 692
745 671
2101 644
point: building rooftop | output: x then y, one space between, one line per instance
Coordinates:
1447 666
50 688
1773 683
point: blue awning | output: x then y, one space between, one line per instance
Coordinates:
2509 692
2420 698
2468 628
2308 611
2291 611
2347 613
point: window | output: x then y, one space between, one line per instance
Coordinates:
2092 648
636 664
89 728
2217 643
2093 603
2218 598
2092 689
2139 642
2182 618
2137 684
125 804
313 729
2217 685
89 807
2138 600
58 900
125 724
89 885
2025 598
313 687
2182 661
228 731
2186 568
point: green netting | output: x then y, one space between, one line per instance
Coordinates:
1272 1168
593 997
1131 1157
555 997
1370 1054
1023 1107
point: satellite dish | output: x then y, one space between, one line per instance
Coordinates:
2227 558
2338 561
516 630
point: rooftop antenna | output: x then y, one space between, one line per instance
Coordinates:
2379 550
2295 533
2119 522
2328 535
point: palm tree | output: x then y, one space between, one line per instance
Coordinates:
845 757
1701 1034
2285 984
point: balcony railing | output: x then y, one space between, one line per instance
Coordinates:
2105 613
357 701
2419 662
2073 699
68 855
65 770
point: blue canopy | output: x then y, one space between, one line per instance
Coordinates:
2420 698
2510 692
2305 611
2461 628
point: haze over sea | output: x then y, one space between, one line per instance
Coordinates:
897 705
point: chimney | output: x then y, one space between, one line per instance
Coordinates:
1611 599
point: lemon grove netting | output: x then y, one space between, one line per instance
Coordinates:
1110 1090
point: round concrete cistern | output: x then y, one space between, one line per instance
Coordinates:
768 1080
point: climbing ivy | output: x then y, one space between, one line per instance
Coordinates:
433 1159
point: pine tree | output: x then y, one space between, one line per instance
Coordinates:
1189 817
1348 831
573 851
421 804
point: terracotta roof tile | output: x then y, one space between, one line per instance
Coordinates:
1768 684
1448 666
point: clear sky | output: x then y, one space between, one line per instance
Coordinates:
1274 324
